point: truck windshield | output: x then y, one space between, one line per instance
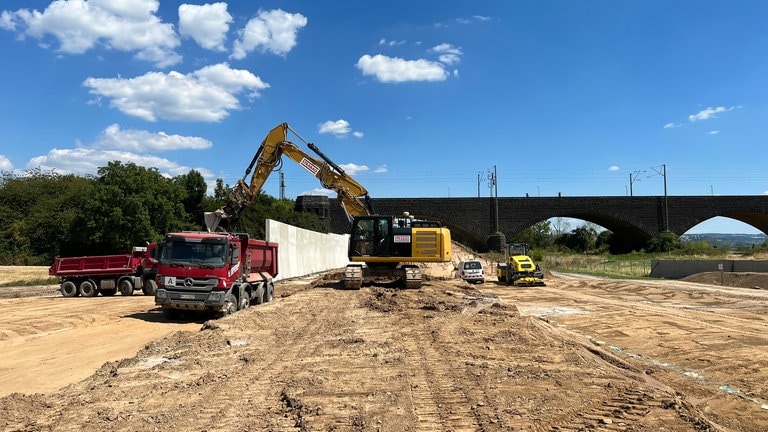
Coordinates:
193 252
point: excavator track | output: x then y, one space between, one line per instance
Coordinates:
353 277
411 277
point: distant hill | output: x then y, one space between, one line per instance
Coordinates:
727 240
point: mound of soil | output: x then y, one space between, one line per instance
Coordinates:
734 279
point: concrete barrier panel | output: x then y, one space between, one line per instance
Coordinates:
677 269
303 252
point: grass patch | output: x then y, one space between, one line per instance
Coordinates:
597 265
25 276
30 282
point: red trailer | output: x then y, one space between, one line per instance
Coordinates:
88 276
215 272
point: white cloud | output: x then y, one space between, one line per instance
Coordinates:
448 54
272 31
381 169
140 141
88 160
127 146
319 191
672 125
389 69
353 169
473 19
614 168
337 128
708 113
385 42
713 132
5 164
79 26
207 94
206 24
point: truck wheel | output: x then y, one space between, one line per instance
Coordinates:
269 292
69 289
149 288
126 287
245 301
230 306
88 288
259 295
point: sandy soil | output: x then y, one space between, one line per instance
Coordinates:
580 354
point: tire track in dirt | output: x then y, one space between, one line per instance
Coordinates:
706 345
437 402
252 364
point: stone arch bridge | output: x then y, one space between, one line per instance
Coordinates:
632 219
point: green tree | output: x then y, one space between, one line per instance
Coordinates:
39 210
581 239
665 242
131 205
604 241
538 236
252 220
195 189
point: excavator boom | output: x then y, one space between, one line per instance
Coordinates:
352 196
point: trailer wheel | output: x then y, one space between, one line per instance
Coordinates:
69 289
126 287
230 306
88 288
258 296
245 301
149 288
269 292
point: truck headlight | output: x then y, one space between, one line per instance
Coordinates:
214 297
161 294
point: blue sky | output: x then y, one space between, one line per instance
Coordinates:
413 98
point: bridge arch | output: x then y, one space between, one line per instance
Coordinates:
628 236
754 219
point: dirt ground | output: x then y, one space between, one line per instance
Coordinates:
581 354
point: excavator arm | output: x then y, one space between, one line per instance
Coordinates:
351 195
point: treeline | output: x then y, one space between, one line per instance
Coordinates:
45 214
588 238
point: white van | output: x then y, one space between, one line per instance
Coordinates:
471 271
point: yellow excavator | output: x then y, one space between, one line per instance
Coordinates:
381 248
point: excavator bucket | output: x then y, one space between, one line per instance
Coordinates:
212 220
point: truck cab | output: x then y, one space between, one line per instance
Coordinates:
215 272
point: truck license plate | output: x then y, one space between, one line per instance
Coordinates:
187 296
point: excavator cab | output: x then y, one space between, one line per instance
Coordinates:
371 236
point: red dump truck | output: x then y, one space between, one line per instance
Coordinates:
88 276
214 272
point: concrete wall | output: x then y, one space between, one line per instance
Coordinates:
676 269
302 252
